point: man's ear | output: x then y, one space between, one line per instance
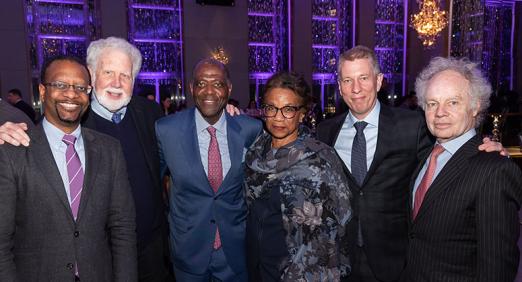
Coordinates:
476 109
41 91
380 76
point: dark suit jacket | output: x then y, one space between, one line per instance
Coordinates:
39 238
467 227
12 114
381 204
27 109
195 210
144 113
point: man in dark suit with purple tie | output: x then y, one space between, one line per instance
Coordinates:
66 206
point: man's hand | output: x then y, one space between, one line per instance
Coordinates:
492 146
232 110
14 134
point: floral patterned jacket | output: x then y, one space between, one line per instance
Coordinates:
315 203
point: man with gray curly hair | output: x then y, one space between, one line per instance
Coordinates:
465 202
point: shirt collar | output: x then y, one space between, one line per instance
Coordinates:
55 135
372 118
102 111
202 124
453 145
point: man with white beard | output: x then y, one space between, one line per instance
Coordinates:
114 64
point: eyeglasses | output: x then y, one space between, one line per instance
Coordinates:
287 111
62 87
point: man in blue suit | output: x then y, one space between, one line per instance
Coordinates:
203 147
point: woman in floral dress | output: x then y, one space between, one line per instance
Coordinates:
297 194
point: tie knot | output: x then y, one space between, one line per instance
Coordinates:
116 118
69 139
212 131
360 125
437 150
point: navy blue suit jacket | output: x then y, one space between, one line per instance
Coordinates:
195 210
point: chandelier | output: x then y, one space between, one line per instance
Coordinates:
219 54
429 21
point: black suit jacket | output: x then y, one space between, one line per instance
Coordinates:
381 203
144 113
39 238
467 227
27 109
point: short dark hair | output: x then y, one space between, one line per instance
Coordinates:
291 81
51 60
213 62
15 91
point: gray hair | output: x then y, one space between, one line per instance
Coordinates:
479 86
358 52
96 48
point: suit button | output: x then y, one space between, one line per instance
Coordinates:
412 236
215 198
76 233
212 221
70 266
361 193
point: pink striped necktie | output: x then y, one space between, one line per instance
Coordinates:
75 173
426 179
215 171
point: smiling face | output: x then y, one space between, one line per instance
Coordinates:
283 130
358 85
449 112
211 90
113 80
64 109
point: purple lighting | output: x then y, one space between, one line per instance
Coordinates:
156 29
269 44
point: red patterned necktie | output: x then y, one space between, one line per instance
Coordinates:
215 171
426 179
75 173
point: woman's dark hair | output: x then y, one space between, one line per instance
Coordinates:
291 81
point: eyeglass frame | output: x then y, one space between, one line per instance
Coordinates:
296 109
55 84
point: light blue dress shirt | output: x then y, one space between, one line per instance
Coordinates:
58 147
343 144
450 148
102 111
204 141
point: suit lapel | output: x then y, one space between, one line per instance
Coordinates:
331 139
44 156
191 147
384 138
235 150
92 156
337 125
451 170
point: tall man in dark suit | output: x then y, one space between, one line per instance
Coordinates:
465 202
203 147
395 141
380 147
14 97
114 64
65 202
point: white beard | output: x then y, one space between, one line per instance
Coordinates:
111 104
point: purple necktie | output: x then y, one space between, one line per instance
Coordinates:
215 171
75 173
